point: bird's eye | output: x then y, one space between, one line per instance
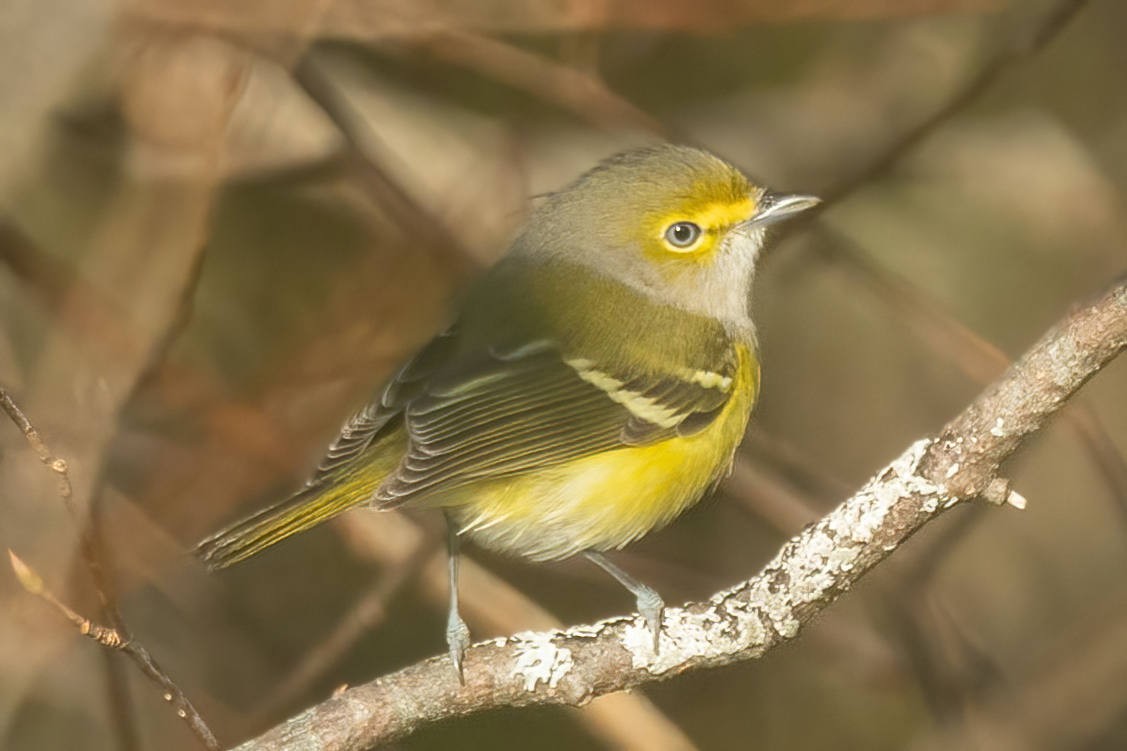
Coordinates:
682 234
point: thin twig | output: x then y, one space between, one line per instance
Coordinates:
364 616
750 619
87 543
573 90
270 26
952 665
120 700
116 637
35 440
201 182
429 232
1067 697
33 583
769 497
1020 48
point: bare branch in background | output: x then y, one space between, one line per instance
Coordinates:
95 322
979 359
1061 702
577 91
1023 46
389 194
272 27
750 619
121 641
362 619
117 636
55 464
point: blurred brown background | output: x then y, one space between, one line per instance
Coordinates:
221 224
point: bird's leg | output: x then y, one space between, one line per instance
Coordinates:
650 604
457 633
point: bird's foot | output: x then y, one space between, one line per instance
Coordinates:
457 640
652 607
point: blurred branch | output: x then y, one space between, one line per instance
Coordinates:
176 95
1022 46
960 673
952 666
87 543
121 641
767 495
1062 701
755 616
430 233
1103 452
793 463
571 89
117 636
35 440
120 701
97 322
362 619
978 358
273 26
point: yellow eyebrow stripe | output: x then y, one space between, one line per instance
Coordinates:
716 215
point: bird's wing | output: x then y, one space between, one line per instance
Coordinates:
362 427
498 413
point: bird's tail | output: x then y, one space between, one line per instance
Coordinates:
304 509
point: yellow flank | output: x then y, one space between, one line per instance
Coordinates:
605 501
599 502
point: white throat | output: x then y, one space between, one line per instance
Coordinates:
720 289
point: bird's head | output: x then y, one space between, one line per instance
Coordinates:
676 222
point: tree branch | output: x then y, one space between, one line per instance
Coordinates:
117 636
748 620
1022 46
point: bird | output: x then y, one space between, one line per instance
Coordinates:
594 384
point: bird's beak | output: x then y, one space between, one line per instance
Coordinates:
775 207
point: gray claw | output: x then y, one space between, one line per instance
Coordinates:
651 606
457 639
649 602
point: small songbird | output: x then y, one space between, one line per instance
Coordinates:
594 385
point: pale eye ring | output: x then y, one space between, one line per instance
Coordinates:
682 234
